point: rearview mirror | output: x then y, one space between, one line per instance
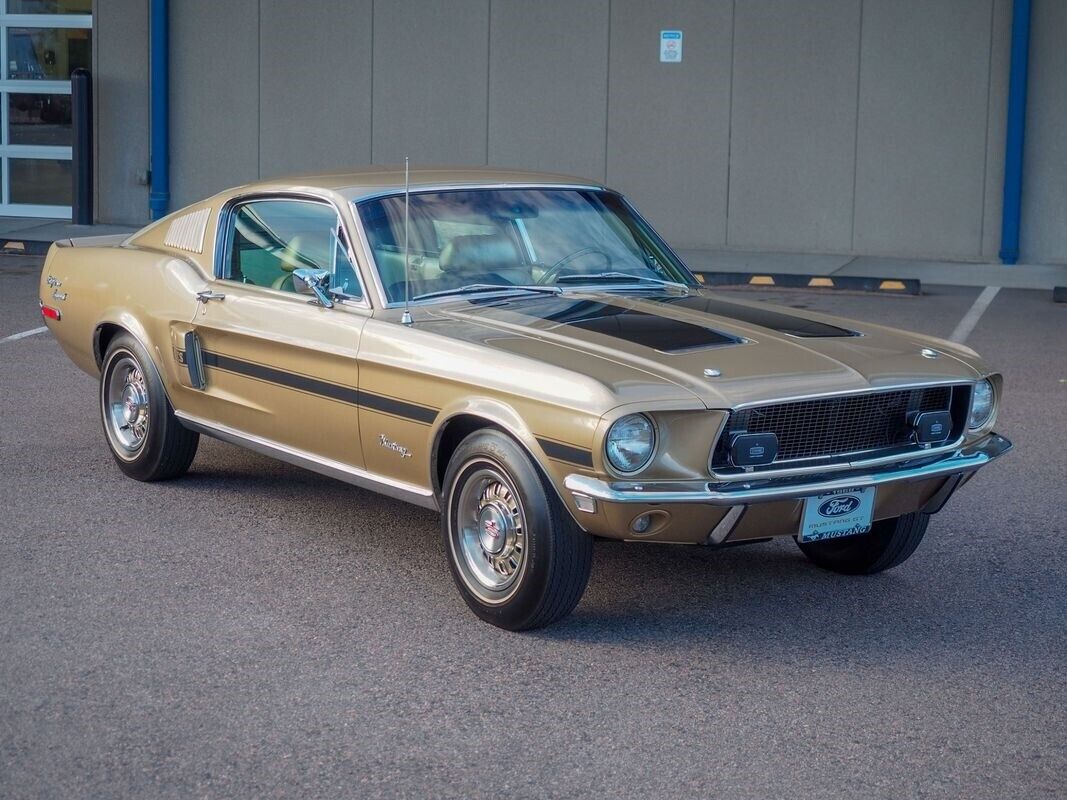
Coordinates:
316 280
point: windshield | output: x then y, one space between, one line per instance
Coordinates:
471 241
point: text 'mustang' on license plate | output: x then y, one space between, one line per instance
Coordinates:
842 512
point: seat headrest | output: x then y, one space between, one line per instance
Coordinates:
479 253
304 248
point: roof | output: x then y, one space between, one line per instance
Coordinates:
354 184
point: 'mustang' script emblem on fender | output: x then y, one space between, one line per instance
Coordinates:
396 447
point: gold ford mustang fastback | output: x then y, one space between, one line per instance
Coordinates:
522 352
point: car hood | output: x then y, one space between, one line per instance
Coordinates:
755 351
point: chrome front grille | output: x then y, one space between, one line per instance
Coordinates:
829 428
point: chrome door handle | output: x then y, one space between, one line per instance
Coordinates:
207 295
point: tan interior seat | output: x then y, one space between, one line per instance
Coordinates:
299 251
484 255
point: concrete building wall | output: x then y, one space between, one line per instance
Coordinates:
294 98
431 70
920 149
1044 229
668 131
793 125
120 67
214 96
996 128
843 126
548 85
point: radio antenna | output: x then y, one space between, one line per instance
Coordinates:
406 318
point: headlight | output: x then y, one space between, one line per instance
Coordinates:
981 405
630 443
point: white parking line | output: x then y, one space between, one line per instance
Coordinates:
970 319
23 335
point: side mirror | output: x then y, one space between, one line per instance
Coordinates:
318 281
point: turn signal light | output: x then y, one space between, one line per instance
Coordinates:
50 313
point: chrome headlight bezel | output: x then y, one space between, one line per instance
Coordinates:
983 400
637 467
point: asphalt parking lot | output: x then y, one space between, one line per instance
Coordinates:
254 630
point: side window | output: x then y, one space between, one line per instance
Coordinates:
269 239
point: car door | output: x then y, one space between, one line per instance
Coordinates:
279 366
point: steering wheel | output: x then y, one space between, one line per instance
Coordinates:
553 272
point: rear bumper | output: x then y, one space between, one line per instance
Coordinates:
927 483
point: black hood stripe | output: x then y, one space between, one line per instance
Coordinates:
664 334
777 321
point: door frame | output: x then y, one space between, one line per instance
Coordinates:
223 238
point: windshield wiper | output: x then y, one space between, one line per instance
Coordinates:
615 276
471 288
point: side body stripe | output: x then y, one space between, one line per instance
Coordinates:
559 451
332 391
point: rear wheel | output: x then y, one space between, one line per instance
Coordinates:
517 556
146 439
889 543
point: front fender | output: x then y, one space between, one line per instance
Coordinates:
499 414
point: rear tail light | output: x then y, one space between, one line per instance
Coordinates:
50 313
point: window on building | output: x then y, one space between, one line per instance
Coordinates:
41 43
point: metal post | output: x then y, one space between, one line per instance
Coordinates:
159 68
81 100
1013 147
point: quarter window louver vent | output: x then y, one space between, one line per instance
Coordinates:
187 231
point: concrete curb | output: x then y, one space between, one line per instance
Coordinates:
23 247
854 283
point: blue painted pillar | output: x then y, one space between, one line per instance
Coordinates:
159 76
1013 147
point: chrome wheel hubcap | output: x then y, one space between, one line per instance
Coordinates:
126 404
489 537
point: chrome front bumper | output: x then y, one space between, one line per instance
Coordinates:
959 463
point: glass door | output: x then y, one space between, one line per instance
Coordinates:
41 43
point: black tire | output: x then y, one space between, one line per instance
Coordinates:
890 542
166 448
556 555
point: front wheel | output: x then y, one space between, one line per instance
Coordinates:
890 542
517 556
146 439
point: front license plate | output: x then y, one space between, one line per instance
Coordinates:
844 512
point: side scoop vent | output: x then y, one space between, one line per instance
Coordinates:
187 231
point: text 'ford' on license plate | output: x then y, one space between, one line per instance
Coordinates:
843 512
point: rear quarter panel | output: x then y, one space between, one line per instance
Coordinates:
69 289
142 290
